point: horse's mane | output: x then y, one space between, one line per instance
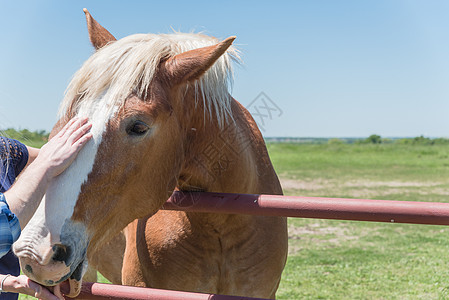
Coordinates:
128 65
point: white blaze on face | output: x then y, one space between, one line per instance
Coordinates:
51 223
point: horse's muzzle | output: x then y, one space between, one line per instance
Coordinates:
53 268
47 270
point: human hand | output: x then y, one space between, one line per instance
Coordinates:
23 285
63 148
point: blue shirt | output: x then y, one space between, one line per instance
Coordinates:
9 227
13 158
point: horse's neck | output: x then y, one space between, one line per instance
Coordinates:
231 159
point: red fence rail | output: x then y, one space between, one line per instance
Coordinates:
273 205
102 291
312 207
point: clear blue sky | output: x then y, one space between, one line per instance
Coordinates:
334 68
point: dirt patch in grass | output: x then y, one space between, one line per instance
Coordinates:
366 183
362 188
331 236
323 183
312 185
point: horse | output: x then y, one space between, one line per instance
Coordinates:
162 120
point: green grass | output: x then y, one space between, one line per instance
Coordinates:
385 162
331 259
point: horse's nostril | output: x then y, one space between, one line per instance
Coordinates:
61 253
29 269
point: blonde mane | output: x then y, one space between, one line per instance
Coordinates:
128 66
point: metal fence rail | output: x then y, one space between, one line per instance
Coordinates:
312 207
102 291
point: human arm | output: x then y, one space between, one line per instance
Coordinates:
32 154
54 157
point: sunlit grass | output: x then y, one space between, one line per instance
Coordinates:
332 259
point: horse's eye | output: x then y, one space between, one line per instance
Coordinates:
137 128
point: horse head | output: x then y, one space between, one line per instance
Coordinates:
138 93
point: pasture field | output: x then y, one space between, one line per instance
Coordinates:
330 259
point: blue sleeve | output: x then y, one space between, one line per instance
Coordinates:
22 157
15 152
9 227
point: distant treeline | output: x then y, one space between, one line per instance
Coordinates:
40 137
372 139
31 138
419 140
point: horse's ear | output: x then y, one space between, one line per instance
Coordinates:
190 65
98 35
